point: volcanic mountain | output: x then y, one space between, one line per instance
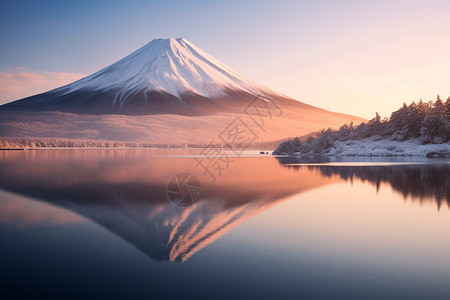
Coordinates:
166 77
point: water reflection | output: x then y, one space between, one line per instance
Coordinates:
418 181
22 212
126 192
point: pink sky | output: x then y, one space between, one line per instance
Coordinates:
20 82
356 57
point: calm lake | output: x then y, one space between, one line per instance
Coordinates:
196 224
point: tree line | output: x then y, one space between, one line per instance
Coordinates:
39 143
29 143
427 121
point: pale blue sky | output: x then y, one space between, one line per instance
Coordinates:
356 57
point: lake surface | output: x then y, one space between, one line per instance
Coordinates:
195 224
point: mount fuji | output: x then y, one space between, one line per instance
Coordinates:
152 96
166 76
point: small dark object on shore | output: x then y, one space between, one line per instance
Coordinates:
437 154
262 152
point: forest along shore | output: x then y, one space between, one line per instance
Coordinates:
420 129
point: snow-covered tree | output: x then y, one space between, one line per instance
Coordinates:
435 129
429 121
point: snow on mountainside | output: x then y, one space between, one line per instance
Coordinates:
151 95
170 76
170 65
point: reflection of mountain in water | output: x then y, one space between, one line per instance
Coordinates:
164 231
127 195
125 192
423 182
155 226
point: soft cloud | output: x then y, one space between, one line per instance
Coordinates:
21 82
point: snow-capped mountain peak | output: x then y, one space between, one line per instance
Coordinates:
165 76
174 66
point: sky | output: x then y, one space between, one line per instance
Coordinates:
356 57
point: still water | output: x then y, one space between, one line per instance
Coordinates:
155 224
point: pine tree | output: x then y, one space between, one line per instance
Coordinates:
374 126
434 130
447 109
439 108
435 127
396 120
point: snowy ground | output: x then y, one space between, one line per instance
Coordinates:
371 147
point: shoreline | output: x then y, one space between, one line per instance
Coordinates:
370 147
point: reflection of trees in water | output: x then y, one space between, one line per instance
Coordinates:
310 159
421 182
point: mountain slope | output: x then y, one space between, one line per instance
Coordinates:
164 76
151 96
